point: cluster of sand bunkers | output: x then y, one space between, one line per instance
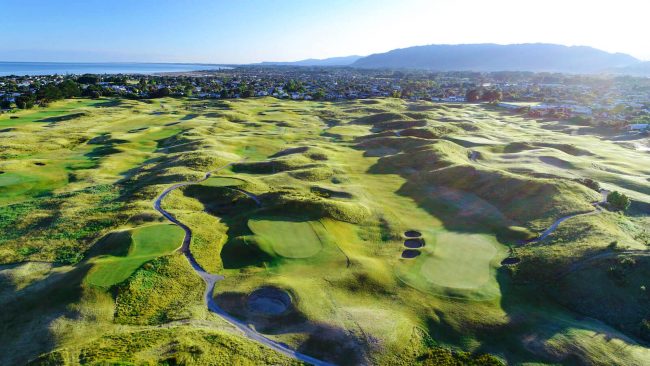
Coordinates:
413 243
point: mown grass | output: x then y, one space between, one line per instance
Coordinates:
287 238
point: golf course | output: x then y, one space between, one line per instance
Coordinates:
181 231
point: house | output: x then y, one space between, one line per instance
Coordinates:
639 127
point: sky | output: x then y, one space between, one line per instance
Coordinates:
246 31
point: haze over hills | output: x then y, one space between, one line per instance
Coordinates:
536 57
492 57
333 61
638 69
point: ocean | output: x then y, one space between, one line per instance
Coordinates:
62 68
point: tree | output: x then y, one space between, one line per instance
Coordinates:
473 96
69 89
49 93
293 86
92 91
5 104
319 95
618 201
88 79
160 93
492 96
24 101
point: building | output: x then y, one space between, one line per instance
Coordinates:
639 127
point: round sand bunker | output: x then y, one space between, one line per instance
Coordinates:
412 234
414 243
410 253
269 301
510 261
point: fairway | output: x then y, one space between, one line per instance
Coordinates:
147 243
288 239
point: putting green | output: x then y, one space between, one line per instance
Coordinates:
460 265
289 239
223 182
147 243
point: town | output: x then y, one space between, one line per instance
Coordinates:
598 100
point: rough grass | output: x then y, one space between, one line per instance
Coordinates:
168 346
163 290
361 173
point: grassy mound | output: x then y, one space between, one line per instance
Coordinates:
567 148
612 290
168 346
314 173
313 153
315 207
286 163
426 157
329 193
397 125
519 198
163 290
375 119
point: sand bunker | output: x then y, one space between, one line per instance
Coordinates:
414 243
510 261
410 253
412 234
269 301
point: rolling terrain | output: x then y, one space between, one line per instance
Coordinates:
264 231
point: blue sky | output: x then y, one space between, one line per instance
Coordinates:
242 31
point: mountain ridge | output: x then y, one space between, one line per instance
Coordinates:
487 57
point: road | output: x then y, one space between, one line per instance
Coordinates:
212 279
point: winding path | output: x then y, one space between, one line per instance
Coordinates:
211 279
557 223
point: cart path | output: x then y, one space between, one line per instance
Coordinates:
554 226
212 279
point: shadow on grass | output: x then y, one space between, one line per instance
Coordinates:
66 117
27 317
324 341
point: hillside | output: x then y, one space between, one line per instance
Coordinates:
492 57
333 61
638 69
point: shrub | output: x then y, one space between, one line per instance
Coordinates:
618 201
590 183
68 255
27 251
440 356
